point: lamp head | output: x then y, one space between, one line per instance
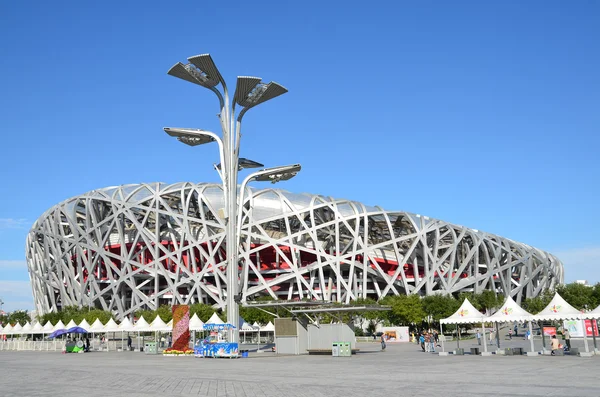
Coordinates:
189 136
201 70
250 91
277 174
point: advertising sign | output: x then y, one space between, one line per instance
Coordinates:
395 334
549 331
576 329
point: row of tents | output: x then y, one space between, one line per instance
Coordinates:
557 310
157 325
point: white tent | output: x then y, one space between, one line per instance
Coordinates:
593 314
214 319
126 325
557 309
196 324
37 328
510 312
170 324
27 328
268 328
97 326
159 325
58 325
7 330
111 326
246 327
141 325
71 324
17 329
48 327
466 314
84 324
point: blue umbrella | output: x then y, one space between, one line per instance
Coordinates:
58 332
77 330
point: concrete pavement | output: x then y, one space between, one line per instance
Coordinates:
402 370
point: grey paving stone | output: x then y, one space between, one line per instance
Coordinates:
400 370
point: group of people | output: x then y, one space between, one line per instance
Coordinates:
427 340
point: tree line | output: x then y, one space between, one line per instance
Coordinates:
407 310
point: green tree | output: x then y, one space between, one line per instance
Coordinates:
405 309
165 312
488 300
18 316
440 306
202 310
578 295
148 315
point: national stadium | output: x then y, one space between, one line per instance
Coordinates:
139 246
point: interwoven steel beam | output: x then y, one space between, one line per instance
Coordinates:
133 247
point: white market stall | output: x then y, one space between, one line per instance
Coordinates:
510 311
466 314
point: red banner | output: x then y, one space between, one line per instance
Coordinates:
588 327
549 331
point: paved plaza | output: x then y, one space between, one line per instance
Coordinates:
402 370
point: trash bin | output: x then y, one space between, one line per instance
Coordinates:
244 353
517 351
335 349
459 352
508 351
150 348
345 349
475 351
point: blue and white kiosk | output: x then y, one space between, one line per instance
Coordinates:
216 345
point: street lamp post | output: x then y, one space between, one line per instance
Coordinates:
249 92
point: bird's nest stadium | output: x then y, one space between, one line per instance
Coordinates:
133 247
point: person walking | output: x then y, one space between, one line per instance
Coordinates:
422 341
431 343
510 331
383 346
567 337
478 338
129 342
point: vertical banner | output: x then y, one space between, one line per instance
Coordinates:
181 327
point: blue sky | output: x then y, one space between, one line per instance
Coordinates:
484 114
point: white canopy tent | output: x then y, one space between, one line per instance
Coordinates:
126 325
510 311
111 326
467 314
268 328
70 324
27 328
84 324
158 325
594 314
214 319
58 325
7 330
47 328
142 325
37 328
17 329
96 326
195 323
557 309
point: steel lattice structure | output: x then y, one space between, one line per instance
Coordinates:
138 246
